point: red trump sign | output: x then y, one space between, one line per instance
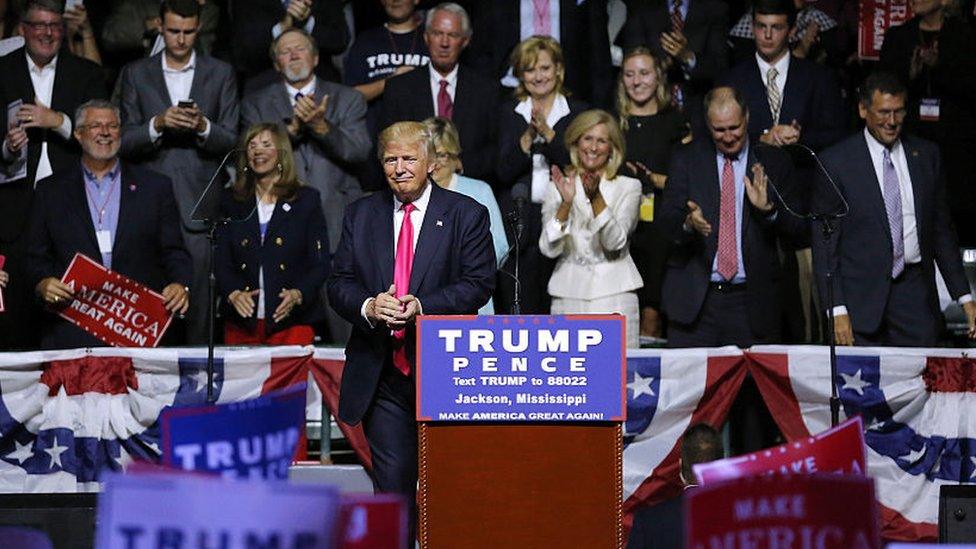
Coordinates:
113 308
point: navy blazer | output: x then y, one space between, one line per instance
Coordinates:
76 80
453 273
811 96
860 251
408 97
148 245
515 166
694 176
293 255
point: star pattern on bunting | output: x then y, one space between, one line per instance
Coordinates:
913 456
22 453
200 379
55 452
854 382
641 385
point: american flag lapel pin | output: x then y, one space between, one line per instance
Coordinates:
440 223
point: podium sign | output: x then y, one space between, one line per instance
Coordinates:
521 368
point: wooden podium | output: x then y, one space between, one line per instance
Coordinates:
520 484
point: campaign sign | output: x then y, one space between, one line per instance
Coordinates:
837 450
253 439
113 308
874 19
176 510
371 521
521 368
823 511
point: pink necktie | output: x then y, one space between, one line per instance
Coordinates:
445 107
401 279
728 260
540 20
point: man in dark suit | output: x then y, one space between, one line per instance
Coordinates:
791 100
185 143
51 83
690 35
579 27
134 231
719 286
449 90
442 263
883 252
326 123
662 526
801 103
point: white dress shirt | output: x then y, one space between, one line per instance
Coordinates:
593 252
43 81
308 90
540 166
435 84
178 84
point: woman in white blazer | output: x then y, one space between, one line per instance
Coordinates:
587 217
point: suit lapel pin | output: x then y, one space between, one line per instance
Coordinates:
132 188
286 207
440 223
914 153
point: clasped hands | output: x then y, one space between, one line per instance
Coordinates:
756 191
782 134
310 114
538 126
244 305
395 312
30 116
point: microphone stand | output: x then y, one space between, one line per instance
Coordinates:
517 222
827 230
212 222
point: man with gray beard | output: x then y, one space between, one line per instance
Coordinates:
327 126
119 215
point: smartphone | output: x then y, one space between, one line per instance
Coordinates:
72 3
187 104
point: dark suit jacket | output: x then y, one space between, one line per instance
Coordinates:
453 273
705 28
188 161
148 244
514 166
76 80
694 176
811 97
859 251
582 35
252 21
294 255
408 97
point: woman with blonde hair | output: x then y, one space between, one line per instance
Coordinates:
447 151
652 129
271 264
588 216
531 130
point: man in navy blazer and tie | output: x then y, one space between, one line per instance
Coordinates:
119 215
723 220
883 252
450 90
413 249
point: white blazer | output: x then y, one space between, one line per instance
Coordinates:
593 252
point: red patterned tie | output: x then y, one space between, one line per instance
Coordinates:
677 21
728 260
445 107
401 279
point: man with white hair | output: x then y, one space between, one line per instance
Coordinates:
327 126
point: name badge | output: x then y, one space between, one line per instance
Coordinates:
647 207
104 241
928 109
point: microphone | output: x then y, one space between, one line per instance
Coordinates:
798 151
520 195
199 211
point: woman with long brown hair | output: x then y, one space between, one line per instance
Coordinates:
271 265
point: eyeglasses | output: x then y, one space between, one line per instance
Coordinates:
95 128
39 26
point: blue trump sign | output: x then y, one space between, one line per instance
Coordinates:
521 368
253 439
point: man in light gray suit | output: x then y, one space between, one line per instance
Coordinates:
179 117
327 125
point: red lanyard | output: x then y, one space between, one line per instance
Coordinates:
101 210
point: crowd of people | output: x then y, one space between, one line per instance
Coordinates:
587 129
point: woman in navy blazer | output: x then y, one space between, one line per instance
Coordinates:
271 264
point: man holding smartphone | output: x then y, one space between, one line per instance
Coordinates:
179 118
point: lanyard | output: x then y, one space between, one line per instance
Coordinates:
100 210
